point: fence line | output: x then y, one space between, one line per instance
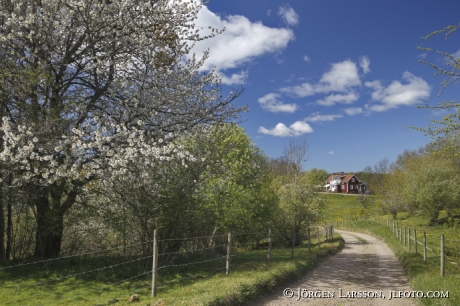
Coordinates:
328 234
407 237
315 235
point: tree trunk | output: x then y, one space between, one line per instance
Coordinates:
49 236
2 223
8 197
50 227
9 227
434 218
50 220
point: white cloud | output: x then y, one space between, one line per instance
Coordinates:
272 103
241 41
339 98
340 78
364 63
288 15
236 78
281 130
396 94
330 152
306 58
351 111
316 117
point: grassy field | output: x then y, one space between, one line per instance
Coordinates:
71 282
344 210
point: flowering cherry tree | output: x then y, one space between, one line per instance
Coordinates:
89 87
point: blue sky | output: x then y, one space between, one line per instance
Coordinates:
343 74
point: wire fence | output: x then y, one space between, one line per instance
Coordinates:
194 258
434 248
411 239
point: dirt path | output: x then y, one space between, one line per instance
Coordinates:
366 266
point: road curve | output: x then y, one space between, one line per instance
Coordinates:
366 266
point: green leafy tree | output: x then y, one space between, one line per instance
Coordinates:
431 185
235 183
300 204
317 178
392 195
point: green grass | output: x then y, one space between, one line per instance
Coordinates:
422 276
49 284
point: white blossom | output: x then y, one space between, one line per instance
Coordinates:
125 92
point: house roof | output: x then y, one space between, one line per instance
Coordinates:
348 177
344 177
341 174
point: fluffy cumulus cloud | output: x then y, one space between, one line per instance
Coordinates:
288 15
281 130
341 78
241 41
317 117
414 91
272 103
351 111
306 58
330 152
338 85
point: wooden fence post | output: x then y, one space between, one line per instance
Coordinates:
424 247
155 263
408 243
442 255
229 249
408 239
317 234
396 231
404 237
309 239
269 252
415 240
332 230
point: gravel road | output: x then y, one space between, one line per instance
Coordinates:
366 266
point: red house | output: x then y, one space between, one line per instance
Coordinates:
345 183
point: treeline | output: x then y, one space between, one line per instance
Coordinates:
421 182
